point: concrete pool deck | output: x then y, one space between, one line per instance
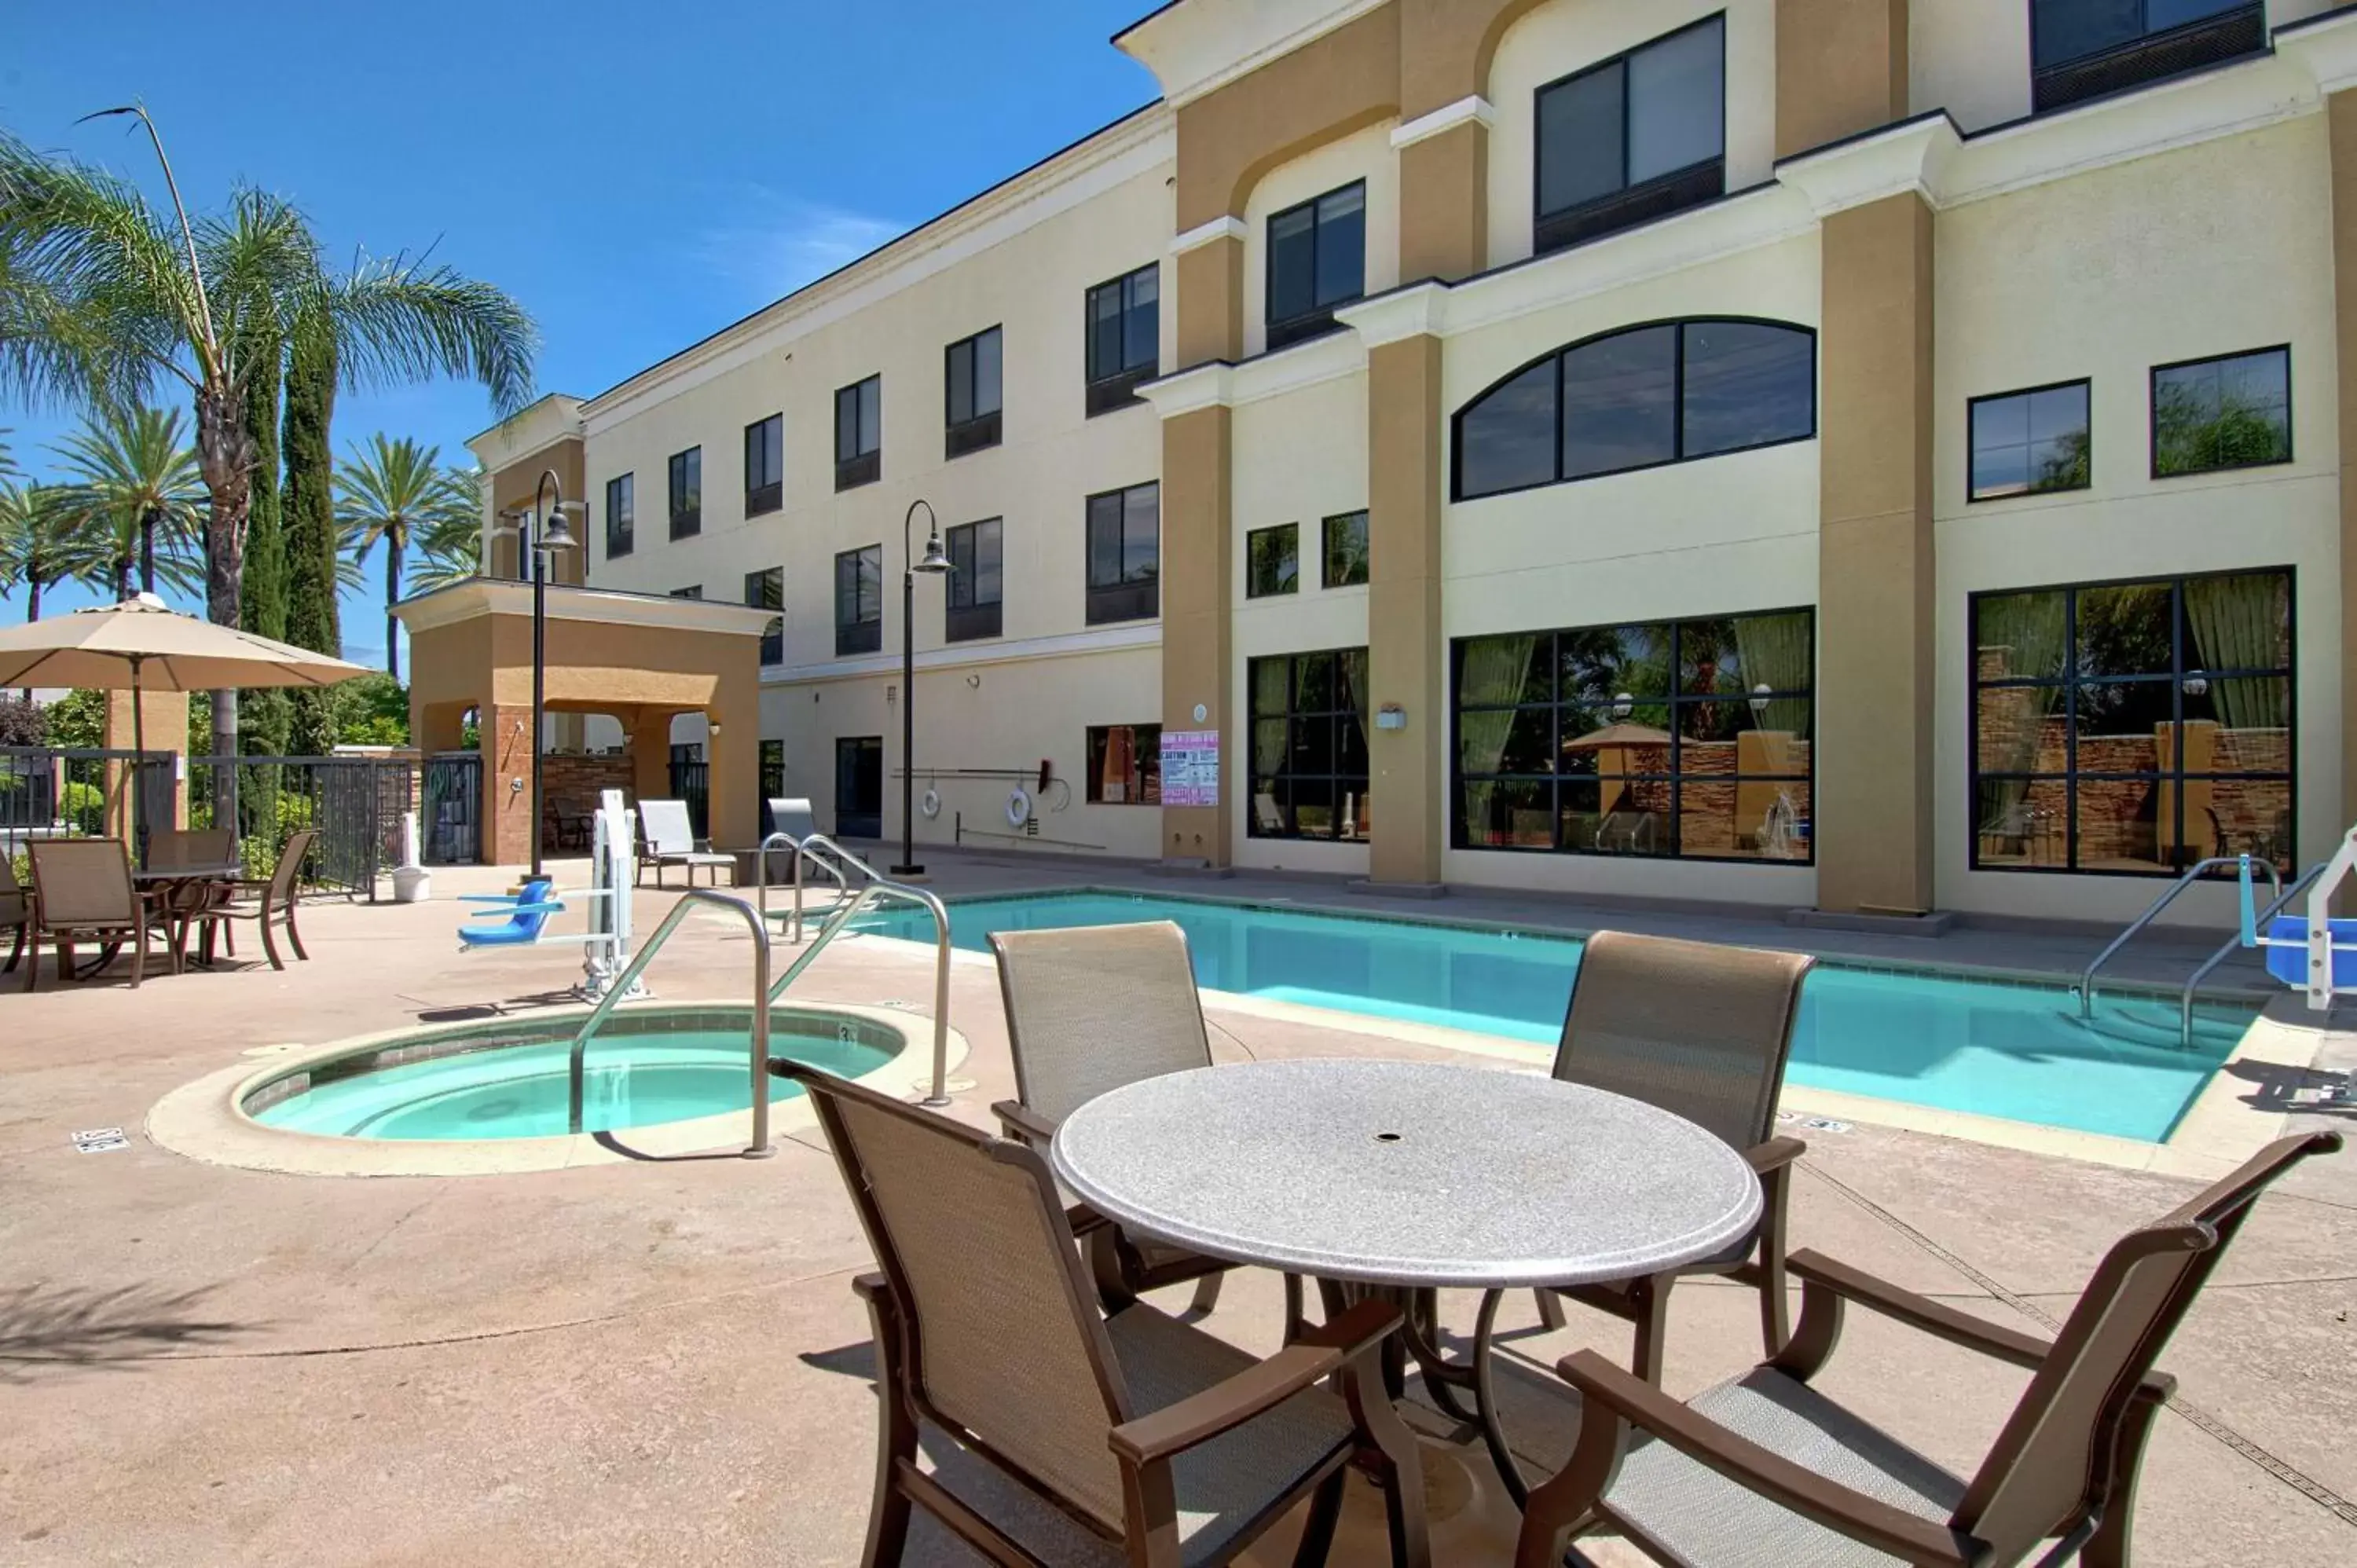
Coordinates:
660 1359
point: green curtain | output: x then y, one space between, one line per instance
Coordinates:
1492 673
2031 628
1775 650
2238 624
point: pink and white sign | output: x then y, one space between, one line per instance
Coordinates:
1190 768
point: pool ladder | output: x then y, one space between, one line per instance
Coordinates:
2086 987
879 889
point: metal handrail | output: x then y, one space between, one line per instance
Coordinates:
2185 999
876 890
759 1147
2087 979
761 874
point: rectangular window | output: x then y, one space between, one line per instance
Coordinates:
1125 331
687 493
859 433
765 465
976 581
1309 746
1125 543
1685 738
859 785
972 378
773 770
2133 727
1638 136
1125 765
859 601
2083 49
694 591
2026 443
2233 412
621 515
1273 560
1346 550
765 590
1317 260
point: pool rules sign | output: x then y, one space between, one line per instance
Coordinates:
1190 768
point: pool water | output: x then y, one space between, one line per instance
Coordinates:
1991 1048
521 1089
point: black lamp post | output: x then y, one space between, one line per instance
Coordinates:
933 565
541 532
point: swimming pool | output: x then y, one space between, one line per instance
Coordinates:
1992 1048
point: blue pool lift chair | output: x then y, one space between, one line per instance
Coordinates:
527 911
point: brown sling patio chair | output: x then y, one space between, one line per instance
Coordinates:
269 904
1169 1447
1767 1470
1089 1009
15 909
1704 1031
82 891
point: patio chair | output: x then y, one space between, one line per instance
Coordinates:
1767 1470
791 815
1089 1009
665 838
191 849
1702 1031
268 904
1169 1446
15 909
82 890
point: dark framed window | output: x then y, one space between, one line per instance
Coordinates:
976 581
1638 136
2134 728
1345 550
765 590
621 515
1309 746
765 465
693 591
859 785
971 378
859 433
2082 48
1638 397
1125 765
1125 543
1273 560
1688 739
859 600
687 493
1317 260
773 771
2232 412
1124 322
2027 443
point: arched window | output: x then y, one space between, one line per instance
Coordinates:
1638 398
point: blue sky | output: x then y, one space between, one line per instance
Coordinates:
637 176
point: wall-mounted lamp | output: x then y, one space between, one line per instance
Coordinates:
1759 699
1623 704
2196 684
1390 715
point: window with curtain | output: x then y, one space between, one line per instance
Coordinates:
1125 765
1686 738
1636 137
2133 728
1309 746
859 600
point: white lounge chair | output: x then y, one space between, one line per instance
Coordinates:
789 814
667 838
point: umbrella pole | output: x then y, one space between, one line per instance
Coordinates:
138 768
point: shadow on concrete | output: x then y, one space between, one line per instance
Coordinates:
76 1326
849 1360
611 1144
474 1012
2279 1088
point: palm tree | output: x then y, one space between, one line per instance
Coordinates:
41 543
452 546
134 484
103 296
392 492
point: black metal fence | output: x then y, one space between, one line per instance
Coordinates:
47 791
450 811
352 803
691 780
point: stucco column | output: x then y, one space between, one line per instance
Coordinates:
1210 280
163 723
1196 646
1406 655
504 737
732 806
1875 592
650 745
2341 121
1444 230
1841 67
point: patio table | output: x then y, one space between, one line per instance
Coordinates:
180 893
1405 1176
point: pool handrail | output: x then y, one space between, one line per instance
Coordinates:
2087 979
877 890
2233 943
759 1148
788 841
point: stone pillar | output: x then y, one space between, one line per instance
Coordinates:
503 734
1875 591
163 721
1406 654
1444 229
1196 658
1841 67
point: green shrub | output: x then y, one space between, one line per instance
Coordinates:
83 807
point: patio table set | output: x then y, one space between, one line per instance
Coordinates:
86 892
1009 1327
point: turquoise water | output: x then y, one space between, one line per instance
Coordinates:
1991 1048
522 1090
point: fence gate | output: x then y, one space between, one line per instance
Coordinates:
691 780
451 809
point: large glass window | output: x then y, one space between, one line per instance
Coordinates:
2080 48
1317 260
1309 746
1124 320
1346 550
2229 413
1273 560
859 600
859 433
1639 398
976 581
972 375
1635 137
1125 765
2133 727
2027 441
765 590
1124 543
1688 738
621 515
687 492
765 465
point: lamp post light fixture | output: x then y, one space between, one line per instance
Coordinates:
933 565
540 531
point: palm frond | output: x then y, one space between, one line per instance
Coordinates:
396 322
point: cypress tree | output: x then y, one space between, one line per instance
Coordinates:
308 527
264 716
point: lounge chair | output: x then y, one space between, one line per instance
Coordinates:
1169 1447
82 891
1767 1470
15 909
268 904
1704 1031
792 816
667 838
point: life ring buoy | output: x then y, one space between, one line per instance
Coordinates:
931 804
1018 808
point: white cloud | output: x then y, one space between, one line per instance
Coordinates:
786 243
